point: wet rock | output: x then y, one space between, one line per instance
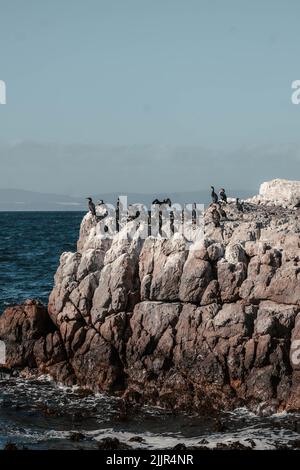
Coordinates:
77 436
10 446
139 439
232 446
112 443
97 365
20 327
203 441
293 444
179 447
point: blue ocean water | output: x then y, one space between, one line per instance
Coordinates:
30 246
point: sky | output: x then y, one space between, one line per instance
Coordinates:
140 95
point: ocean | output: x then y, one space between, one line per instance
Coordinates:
30 246
38 414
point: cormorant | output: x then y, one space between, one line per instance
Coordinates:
215 217
164 201
239 205
221 211
194 214
91 206
223 196
100 202
214 195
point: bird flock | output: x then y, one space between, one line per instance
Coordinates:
217 207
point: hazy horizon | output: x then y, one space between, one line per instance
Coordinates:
87 169
20 200
148 96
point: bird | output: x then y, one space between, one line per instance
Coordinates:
214 195
221 211
99 203
91 206
239 205
215 217
223 196
164 201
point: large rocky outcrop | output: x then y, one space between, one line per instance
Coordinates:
213 323
279 192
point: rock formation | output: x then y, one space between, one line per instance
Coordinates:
279 192
208 325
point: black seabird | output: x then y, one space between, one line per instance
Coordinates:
91 206
215 217
238 205
214 195
221 211
223 196
164 201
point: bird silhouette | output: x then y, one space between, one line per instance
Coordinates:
92 207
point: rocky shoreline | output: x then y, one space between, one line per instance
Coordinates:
208 328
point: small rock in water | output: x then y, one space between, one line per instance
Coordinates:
297 426
251 442
10 446
180 446
137 439
231 446
77 436
295 444
112 443
203 441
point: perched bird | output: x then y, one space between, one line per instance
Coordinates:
239 205
214 195
223 196
100 202
91 206
164 201
215 217
221 211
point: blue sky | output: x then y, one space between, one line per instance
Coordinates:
166 73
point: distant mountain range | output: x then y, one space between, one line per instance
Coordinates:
21 200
